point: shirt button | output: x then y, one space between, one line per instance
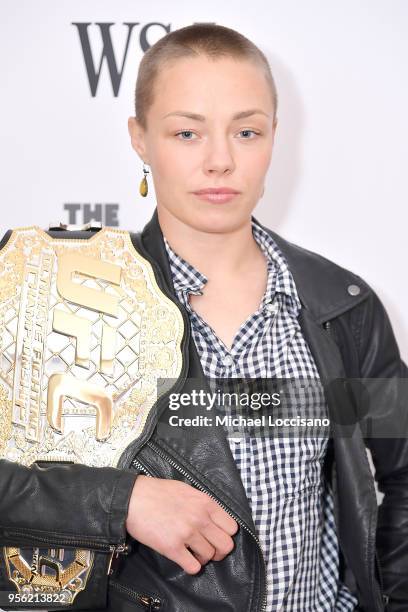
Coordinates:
227 360
353 289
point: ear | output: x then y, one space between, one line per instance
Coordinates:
275 123
137 138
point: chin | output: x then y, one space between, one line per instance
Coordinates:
218 221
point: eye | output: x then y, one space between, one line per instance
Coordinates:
185 132
247 132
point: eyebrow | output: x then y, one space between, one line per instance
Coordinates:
196 117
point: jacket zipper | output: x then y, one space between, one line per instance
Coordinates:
113 549
148 601
136 463
385 597
74 542
204 489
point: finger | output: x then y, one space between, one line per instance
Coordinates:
185 559
223 520
201 548
221 541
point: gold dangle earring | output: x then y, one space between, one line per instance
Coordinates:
144 187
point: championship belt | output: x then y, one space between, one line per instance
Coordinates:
85 335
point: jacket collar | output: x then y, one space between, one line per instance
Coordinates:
322 285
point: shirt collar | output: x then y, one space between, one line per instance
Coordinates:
187 279
280 280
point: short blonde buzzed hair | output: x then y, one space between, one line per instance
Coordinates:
208 39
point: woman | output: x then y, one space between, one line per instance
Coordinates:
205 123
214 521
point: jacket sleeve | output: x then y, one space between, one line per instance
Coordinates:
62 502
380 358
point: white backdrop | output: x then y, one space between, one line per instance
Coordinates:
337 184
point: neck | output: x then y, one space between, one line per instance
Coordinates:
212 253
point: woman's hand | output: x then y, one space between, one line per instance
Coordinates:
172 517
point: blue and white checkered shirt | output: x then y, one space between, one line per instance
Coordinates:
291 502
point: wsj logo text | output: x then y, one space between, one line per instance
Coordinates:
107 214
93 64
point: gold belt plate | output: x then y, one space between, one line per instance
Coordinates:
86 334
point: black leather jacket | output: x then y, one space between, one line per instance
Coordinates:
350 335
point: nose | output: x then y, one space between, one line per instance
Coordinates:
219 157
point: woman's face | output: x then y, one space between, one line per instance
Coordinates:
213 148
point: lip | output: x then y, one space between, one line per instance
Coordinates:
217 195
215 190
